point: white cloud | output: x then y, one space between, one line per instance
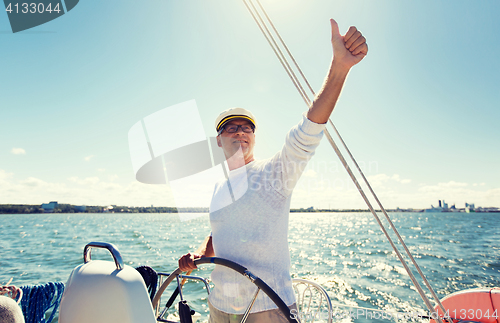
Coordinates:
18 151
452 184
338 192
319 191
458 193
82 191
86 181
4 175
310 173
101 170
33 182
88 158
492 198
380 180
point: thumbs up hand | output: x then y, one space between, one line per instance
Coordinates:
350 49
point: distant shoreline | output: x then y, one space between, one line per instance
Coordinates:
68 208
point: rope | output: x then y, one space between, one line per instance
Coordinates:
299 87
39 299
277 51
150 279
417 267
400 257
286 48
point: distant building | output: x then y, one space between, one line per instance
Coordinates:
443 207
470 208
49 207
489 209
108 209
80 208
435 209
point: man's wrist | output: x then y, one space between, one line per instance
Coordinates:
338 70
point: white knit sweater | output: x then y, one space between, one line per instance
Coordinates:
249 219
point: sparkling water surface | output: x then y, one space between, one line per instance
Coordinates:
346 253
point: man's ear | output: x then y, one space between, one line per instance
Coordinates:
219 142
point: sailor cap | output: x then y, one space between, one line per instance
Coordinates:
231 114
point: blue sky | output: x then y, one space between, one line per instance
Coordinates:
420 111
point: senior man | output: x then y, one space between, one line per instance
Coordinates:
251 228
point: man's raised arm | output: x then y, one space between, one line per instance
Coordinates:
348 50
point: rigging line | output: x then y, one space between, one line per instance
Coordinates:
279 54
424 297
426 282
270 39
278 48
365 198
286 48
366 181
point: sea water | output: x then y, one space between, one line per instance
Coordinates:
346 253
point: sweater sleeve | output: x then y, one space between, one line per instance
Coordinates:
289 163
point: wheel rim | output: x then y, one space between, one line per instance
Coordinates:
238 268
